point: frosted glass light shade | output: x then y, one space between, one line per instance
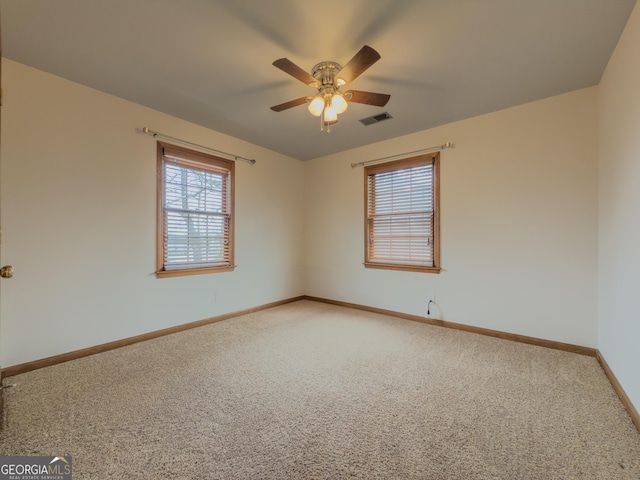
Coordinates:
316 106
338 103
330 115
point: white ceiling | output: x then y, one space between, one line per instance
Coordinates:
209 61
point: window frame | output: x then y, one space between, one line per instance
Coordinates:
434 159
205 160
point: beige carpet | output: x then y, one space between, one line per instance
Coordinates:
314 391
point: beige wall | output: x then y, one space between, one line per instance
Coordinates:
519 223
78 219
619 210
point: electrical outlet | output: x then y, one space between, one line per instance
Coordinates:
431 303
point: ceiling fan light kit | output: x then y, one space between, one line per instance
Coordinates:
328 77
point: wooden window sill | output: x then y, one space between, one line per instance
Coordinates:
192 271
407 268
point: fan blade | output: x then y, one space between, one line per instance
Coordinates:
368 98
362 60
287 66
290 104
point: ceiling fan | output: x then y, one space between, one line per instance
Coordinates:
328 77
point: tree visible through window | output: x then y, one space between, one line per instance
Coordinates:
195 212
402 218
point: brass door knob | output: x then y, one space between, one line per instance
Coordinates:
6 271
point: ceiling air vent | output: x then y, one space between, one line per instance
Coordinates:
375 119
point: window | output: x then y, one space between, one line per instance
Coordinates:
401 218
195 212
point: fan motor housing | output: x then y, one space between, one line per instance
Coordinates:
325 72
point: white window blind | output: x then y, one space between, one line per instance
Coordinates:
197 222
401 214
